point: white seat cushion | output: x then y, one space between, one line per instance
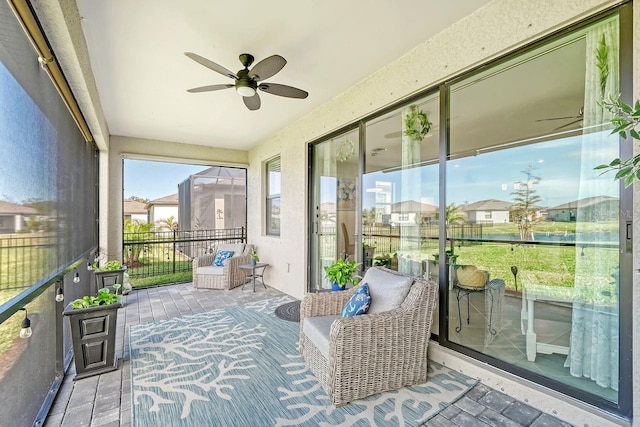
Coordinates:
236 248
317 329
387 290
210 269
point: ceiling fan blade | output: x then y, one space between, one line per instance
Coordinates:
393 135
268 67
569 124
283 90
211 65
252 102
559 118
209 88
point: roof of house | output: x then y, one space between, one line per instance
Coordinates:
412 206
134 207
15 209
488 205
587 201
171 199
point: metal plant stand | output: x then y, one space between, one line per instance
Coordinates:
490 290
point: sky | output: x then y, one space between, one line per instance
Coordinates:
153 180
565 168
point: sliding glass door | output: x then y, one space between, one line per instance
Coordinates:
336 194
533 226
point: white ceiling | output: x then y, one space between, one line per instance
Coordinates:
137 55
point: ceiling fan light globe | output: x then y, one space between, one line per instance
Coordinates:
246 91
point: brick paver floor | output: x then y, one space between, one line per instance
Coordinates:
105 400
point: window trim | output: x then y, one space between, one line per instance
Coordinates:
270 198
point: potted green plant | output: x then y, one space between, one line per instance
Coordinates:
109 275
254 257
92 320
387 260
342 272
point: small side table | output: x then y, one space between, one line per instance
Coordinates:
257 270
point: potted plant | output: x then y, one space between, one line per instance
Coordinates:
110 275
342 272
368 252
387 260
92 320
254 257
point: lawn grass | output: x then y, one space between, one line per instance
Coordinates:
156 270
163 279
537 264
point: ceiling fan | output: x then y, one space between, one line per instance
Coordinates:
248 80
578 118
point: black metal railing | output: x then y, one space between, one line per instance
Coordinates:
25 259
155 253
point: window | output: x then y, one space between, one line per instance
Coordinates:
273 197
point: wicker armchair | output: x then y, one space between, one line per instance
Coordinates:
370 353
227 277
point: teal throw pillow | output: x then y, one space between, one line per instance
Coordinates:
220 257
359 302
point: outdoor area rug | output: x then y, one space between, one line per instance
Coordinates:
289 311
240 366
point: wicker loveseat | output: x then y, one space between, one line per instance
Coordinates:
229 276
355 357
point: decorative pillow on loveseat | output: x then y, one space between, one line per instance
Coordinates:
218 261
359 302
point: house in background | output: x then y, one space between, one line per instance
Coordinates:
490 211
598 208
411 212
135 211
13 217
163 208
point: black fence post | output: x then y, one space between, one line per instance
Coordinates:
174 250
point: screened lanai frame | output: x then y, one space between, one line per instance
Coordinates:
623 408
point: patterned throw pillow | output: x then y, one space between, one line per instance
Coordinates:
220 257
359 302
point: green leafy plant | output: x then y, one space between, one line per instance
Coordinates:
452 257
104 297
109 266
602 62
386 260
342 272
626 119
254 255
416 124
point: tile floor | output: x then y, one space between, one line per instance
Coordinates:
104 400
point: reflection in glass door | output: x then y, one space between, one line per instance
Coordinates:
335 190
400 191
532 227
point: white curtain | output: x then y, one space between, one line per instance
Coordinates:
409 192
593 350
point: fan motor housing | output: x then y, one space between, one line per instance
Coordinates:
245 81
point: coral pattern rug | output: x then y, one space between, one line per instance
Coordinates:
240 366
